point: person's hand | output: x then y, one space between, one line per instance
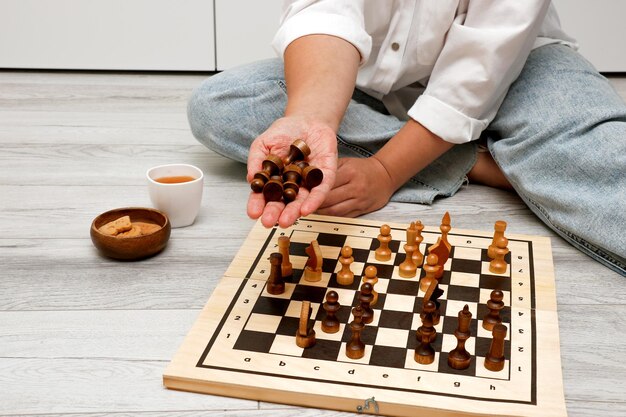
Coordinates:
362 186
276 140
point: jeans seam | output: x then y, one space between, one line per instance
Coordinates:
368 154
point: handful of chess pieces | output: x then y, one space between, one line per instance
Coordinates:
281 180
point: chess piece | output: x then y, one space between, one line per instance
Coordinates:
330 323
432 294
431 268
371 278
312 177
272 165
313 267
459 357
408 268
355 349
305 335
298 151
275 282
383 253
345 276
283 248
442 248
273 189
365 300
494 361
291 182
499 228
418 257
498 264
424 352
494 304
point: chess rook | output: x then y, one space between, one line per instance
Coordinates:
494 361
275 282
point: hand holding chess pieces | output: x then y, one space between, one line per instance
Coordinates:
281 180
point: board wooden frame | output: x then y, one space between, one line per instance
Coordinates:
187 372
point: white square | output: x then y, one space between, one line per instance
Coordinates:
295 307
481 371
410 362
488 334
392 337
399 302
372 259
263 323
286 345
346 295
330 252
364 360
465 279
298 262
461 252
485 295
321 334
454 306
356 242
396 275
302 236
449 342
289 288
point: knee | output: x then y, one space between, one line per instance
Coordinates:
218 105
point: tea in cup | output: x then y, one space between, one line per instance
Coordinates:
176 189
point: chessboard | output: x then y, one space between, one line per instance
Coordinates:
243 343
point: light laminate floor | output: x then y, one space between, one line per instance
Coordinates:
81 334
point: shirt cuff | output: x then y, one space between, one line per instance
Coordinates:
313 23
445 121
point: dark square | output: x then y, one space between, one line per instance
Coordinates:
505 313
387 356
444 367
403 287
463 293
298 249
288 326
382 271
394 245
309 293
466 265
270 305
342 315
484 343
495 282
332 283
323 349
328 265
254 341
413 341
451 323
331 239
485 257
360 255
395 319
368 335
440 303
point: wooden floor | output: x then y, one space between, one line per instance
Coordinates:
80 334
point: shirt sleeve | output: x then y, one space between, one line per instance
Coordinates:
484 52
340 18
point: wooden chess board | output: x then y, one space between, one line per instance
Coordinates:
243 343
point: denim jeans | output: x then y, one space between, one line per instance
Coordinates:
559 137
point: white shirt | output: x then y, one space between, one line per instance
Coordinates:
447 64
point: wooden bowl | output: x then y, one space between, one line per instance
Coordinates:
131 248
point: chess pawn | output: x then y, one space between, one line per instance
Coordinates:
298 151
330 323
272 165
418 257
431 268
498 264
291 182
345 276
283 248
459 357
383 253
275 282
312 177
273 189
494 361
494 304
355 349
365 299
371 278
499 229
424 352
305 335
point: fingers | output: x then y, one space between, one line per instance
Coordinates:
268 212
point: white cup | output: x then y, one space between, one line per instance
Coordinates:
181 200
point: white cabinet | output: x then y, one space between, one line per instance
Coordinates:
244 30
599 26
107 34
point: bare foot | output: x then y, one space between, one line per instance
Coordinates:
485 171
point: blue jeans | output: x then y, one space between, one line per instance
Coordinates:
559 137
